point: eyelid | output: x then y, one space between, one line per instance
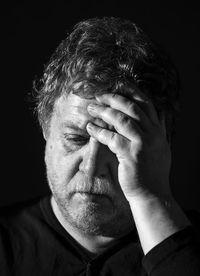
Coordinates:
76 139
76 135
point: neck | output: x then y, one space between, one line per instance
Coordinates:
93 243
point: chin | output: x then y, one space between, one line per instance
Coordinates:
91 219
92 223
91 212
95 215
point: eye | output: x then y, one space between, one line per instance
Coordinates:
76 139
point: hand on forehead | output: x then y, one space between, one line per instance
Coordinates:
74 109
130 93
97 121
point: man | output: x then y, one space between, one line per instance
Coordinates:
107 104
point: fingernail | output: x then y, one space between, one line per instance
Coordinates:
89 126
92 107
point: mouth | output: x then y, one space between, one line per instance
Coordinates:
88 196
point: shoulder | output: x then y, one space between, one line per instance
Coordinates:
20 225
19 216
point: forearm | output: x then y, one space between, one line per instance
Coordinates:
156 219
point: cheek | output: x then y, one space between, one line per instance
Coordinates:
61 166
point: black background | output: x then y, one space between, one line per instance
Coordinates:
32 30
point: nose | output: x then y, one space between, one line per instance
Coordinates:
97 159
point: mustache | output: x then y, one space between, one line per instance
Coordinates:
94 185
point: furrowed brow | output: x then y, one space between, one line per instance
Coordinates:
71 125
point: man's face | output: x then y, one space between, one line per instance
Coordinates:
83 174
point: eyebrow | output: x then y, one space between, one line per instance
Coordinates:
71 125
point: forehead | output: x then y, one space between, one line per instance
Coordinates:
72 108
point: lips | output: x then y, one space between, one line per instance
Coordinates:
85 193
93 190
92 197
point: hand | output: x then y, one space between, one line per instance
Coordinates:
138 140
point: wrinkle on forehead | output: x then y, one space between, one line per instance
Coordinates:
74 108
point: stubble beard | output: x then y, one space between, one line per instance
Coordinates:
89 218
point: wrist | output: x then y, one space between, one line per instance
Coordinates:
141 196
156 218
159 208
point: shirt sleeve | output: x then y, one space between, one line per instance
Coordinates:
179 254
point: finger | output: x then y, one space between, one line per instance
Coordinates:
123 124
133 102
146 104
125 105
116 143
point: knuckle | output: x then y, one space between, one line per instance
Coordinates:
96 132
113 141
100 132
121 143
113 137
117 142
133 110
131 107
138 144
124 119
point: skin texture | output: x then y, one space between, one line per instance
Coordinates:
82 174
113 173
140 142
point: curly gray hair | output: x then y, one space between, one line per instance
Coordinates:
105 54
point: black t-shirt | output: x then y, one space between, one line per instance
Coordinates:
33 242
